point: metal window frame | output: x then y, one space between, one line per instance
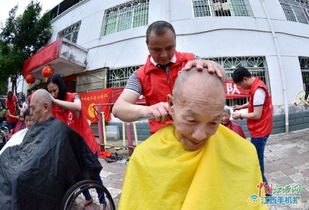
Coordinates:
304 6
118 77
216 13
304 68
69 31
128 6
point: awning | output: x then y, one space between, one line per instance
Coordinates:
65 57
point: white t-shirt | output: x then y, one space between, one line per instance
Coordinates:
259 97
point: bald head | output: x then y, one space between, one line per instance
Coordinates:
195 84
196 107
41 106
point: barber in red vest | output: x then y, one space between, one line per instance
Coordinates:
155 80
259 116
67 107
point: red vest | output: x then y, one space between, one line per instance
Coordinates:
77 121
263 126
11 106
156 85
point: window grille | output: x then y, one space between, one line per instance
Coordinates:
70 33
125 16
119 77
203 8
296 10
304 66
256 65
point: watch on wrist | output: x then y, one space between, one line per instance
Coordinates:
240 117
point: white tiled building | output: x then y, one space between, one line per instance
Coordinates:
270 37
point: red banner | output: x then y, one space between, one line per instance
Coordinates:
90 99
234 91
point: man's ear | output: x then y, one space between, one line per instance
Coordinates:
45 106
170 101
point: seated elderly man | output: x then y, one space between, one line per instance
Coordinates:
227 122
52 157
194 163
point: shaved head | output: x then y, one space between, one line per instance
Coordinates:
193 83
41 106
44 96
196 107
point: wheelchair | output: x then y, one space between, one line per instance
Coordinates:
74 198
4 132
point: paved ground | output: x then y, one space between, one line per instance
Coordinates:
286 165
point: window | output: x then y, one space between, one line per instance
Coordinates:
119 77
62 7
304 66
70 33
256 65
203 8
296 10
125 16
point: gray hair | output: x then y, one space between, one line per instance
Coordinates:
227 109
43 96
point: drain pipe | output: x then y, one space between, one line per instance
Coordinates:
286 109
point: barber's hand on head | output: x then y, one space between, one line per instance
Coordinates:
53 99
160 112
211 66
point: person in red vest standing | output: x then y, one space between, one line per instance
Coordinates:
10 104
156 79
67 107
259 116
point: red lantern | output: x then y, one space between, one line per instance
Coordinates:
47 71
30 80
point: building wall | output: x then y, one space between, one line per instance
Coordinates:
208 37
204 36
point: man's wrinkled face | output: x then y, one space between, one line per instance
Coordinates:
195 121
37 110
162 47
225 118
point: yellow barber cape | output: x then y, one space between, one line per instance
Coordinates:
161 174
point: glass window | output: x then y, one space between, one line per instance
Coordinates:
125 16
296 10
119 77
304 66
203 8
70 33
299 12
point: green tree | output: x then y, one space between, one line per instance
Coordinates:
20 38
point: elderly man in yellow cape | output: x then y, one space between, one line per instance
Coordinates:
194 163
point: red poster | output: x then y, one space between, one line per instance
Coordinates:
90 100
234 91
